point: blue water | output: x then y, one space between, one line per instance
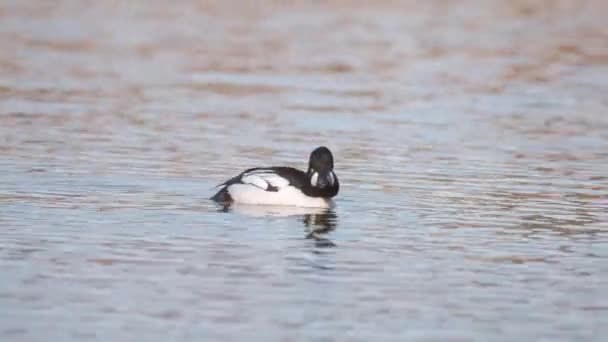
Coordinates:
470 143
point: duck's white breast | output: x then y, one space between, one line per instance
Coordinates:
288 195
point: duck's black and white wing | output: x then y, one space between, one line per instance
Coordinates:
265 179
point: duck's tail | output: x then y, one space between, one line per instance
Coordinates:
222 196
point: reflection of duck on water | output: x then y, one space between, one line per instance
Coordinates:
271 210
321 223
318 221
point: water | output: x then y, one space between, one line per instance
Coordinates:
471 142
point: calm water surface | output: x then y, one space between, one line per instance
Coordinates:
471 142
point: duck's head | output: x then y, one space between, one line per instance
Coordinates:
321 169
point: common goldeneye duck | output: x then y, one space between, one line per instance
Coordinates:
281 185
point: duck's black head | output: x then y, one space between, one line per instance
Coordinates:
321 172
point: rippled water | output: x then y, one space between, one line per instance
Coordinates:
471 142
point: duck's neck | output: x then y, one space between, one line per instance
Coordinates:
327 192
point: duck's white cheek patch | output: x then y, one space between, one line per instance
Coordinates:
332 178
313 179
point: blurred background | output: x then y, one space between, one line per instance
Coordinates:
470 138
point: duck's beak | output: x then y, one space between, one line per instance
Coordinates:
324 180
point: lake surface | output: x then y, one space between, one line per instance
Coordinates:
470 138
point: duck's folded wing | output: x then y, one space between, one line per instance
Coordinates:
265 179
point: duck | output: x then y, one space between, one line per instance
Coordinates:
283 185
